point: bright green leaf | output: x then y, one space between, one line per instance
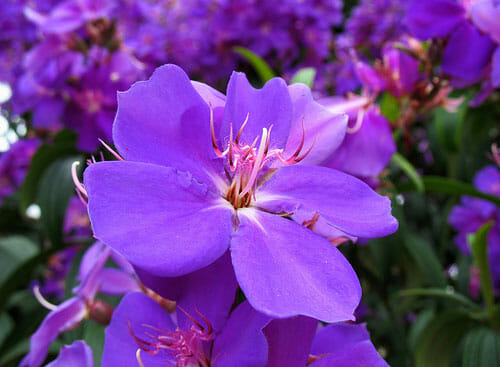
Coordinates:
410 171
389 107
305 76
259 64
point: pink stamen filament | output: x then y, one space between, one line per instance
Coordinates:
358 124
77 182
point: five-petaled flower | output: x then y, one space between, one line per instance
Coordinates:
203 173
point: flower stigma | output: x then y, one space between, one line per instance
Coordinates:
249 166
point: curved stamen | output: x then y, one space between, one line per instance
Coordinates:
237 140
212 133
359 122
77 182
42 300
138 357
257 165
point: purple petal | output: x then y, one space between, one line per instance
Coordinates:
433 18
158 218
77 354
141 312
345 202
285 269
488 180
64 317
91 282
210 291
116 282
165 121
347 345
495 71
485 15
366 152
324 130
242 342
467 54
268 106
290 341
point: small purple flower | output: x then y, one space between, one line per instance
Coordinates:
368 145
298 342
14 164
77 354
197 180
94 278
472 213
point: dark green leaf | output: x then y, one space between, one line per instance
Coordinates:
259 64
93 334
410 171
14 251
438 341
305 76
448 126
449 186
481 348
56 189
479 247
442 293
424 256
64 145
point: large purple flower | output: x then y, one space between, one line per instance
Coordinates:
198 179
77 354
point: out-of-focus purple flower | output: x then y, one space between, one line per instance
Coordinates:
472 213
171 209
55 272
94 278
296 342
142 332
468 52
368 145
14 164
76 221
374 22
77 354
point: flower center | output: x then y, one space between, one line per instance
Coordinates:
186 347
248 166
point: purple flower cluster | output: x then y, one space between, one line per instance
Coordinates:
472 213
471 30
14 164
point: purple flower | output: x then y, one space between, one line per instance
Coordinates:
77 354
14 164
472 213
295 342
143 333
468 52
76 221
368 145
197 180
94 278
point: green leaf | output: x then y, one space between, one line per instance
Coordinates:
6 326
479 248
438 341
449 186
305 76
410 171
56 189
418 326
14 251
481 348
64 145
259 64
426 260
441 293
93 334
448 126
389 107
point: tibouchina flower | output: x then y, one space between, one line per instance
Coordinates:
77 354
203 172
295 342
144 334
